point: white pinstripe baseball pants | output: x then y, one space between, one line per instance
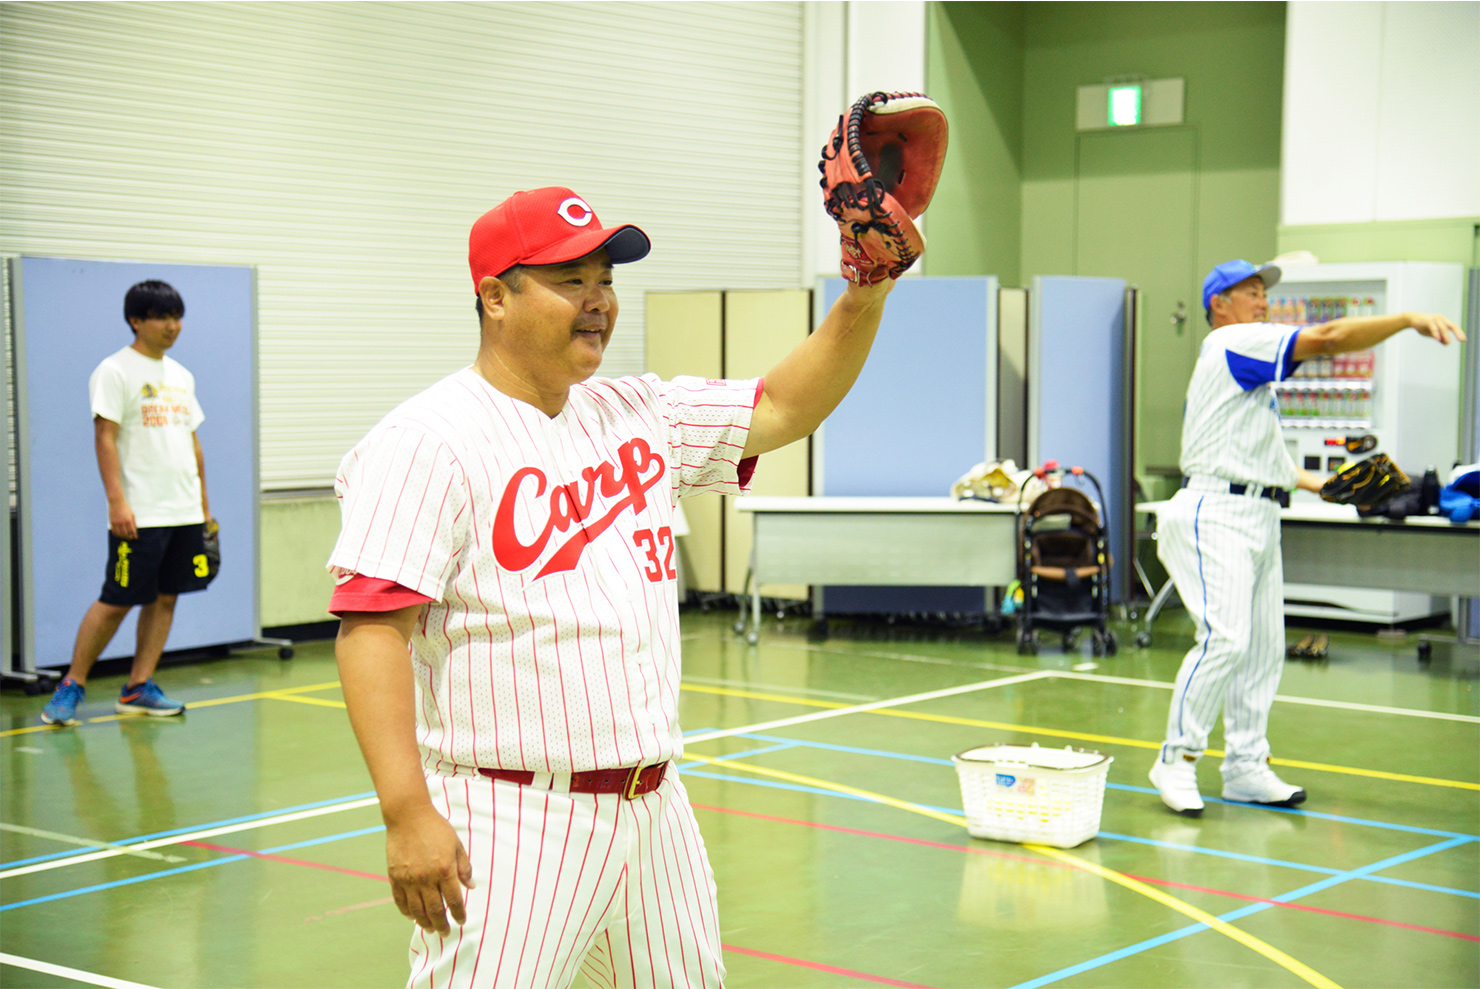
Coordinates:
620 890
1223 551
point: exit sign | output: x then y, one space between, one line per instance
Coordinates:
1130 103
1123 104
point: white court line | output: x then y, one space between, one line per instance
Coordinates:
1308 701
190 836
75 974
86 842
372 801
838 712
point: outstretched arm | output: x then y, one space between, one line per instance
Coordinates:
1350 333
424 859
810 381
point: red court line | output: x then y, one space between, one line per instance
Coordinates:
1061 865
818 966
283 858
802 963
1308 909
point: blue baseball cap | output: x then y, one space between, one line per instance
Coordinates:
1230 273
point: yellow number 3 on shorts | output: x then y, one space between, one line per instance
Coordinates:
202 568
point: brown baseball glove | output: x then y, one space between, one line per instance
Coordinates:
879 170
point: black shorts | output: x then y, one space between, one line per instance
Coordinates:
170 559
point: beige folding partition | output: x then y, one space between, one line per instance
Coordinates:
737 334
684 336
760 329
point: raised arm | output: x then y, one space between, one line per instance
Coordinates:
424 858
1350 333
808 383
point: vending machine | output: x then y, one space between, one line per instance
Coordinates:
1404 393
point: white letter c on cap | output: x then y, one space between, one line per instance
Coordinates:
575 211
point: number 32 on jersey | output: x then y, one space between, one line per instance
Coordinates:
658 568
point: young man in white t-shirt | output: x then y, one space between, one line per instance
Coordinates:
145 415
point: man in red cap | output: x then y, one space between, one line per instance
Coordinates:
512 527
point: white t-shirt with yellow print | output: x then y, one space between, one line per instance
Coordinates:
153 401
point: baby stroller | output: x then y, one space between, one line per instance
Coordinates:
1064 564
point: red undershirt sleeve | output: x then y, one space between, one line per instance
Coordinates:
361 593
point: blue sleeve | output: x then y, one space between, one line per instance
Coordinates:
1259 354
1288 363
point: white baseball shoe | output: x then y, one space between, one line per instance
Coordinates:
1261 786
1177 783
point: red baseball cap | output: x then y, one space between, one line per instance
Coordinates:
546 226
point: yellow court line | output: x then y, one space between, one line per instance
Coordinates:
834 705
1181 906
1142 744
308 700
1221 926
1029 729
1081 736
193 705
264 694
752 695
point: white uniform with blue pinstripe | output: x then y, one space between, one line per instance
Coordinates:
1223 549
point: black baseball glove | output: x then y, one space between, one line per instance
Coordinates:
1367 483
212 537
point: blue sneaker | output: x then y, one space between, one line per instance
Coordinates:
62 708
146 698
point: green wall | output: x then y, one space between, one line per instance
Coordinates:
974 69
1456 241
1155 206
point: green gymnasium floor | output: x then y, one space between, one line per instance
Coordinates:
239 846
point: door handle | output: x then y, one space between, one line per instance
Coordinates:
1179 316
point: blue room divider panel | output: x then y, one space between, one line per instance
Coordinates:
922 413
1078 406
68 316
7 622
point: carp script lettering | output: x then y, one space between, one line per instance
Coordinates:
571 504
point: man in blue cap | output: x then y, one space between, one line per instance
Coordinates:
1219 537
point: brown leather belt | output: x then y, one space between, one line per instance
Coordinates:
630 783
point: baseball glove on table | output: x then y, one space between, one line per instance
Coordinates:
1367 483
879 170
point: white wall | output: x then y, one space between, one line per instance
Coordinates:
345 149
1381 111
853 48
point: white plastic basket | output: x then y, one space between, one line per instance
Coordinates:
1030 794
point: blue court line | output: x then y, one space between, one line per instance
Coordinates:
761 751
1299 812
127 842
1154 842
193 867
1231 915
1455 891
687 771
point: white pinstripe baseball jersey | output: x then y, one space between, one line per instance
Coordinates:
1231 426
551 643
